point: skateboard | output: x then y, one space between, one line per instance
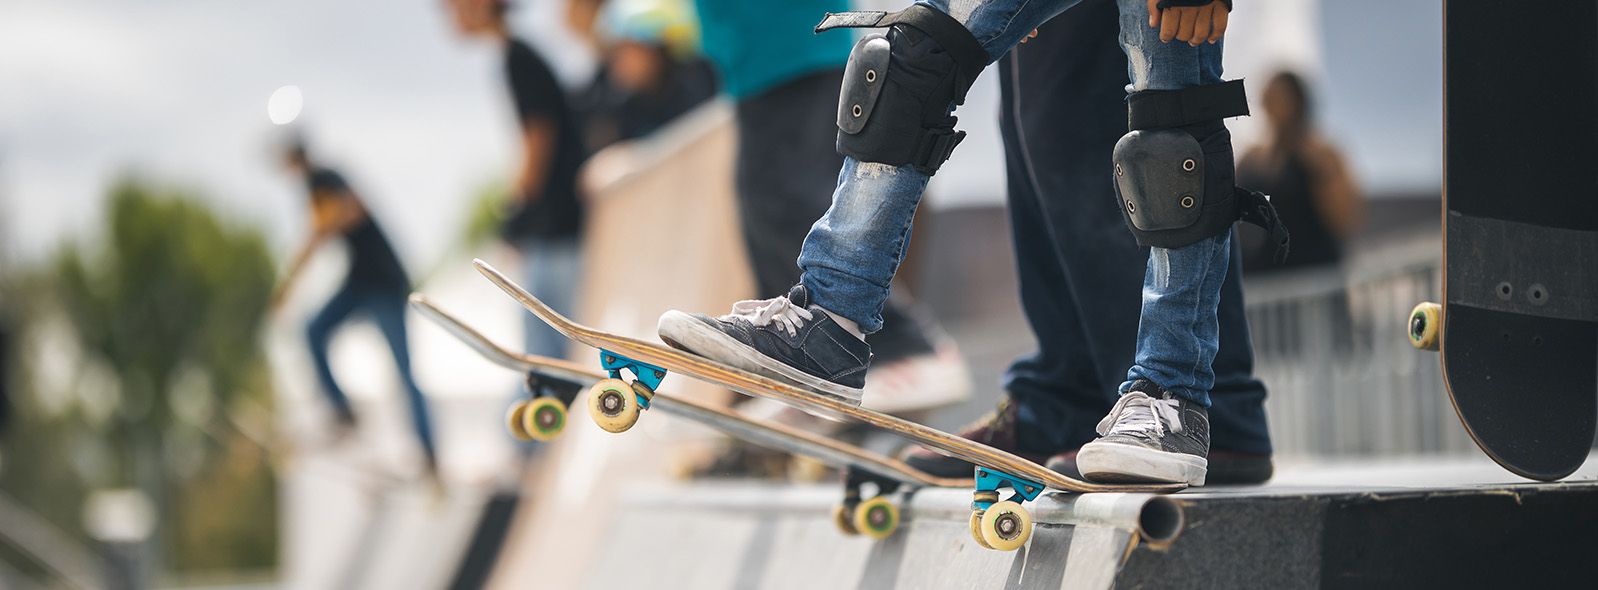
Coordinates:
875 516
994 523
1518 324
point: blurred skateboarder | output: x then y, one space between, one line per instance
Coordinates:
375 285
545 220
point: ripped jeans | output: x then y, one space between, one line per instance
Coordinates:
852 253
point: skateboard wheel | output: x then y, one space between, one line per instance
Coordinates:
1005 526
543 418
976 529
876 518
1425 324
513 421
613 405
843 518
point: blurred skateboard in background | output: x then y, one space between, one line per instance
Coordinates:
1518 325
616 405
551 380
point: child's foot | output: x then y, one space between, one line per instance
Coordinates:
1225 468
1150 435
785 338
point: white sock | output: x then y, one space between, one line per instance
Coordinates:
847 324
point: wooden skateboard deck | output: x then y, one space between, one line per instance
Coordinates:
760 386
859 465
1519 319
995 524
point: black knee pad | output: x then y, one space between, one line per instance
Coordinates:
899 88
1174 173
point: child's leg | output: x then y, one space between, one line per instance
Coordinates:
1179 168
1174 178
895 129
852 253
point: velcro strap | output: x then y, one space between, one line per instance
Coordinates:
1255 207
1164 109
949 33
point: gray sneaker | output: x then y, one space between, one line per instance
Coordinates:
1150 435
784 338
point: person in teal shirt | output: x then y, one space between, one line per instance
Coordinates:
784 79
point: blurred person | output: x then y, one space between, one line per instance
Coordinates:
649 72
1174 172
546 213
1081 272
783 80
375 284
1306 177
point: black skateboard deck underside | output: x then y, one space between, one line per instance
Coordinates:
1520 319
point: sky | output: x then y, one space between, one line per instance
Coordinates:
176 90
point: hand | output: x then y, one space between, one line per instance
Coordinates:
1030 36
1194 25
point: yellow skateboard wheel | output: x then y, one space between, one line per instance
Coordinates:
613 405
876 518
513 421
543 418
976 528
1425 325
843 518
1006 526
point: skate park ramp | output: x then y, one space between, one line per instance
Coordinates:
1316 527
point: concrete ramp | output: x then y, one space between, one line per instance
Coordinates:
750 536
1292 535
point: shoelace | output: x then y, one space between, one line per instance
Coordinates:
1136 412
777 310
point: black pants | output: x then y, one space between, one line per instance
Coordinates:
1081 273
787 168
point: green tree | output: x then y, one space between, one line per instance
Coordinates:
168 302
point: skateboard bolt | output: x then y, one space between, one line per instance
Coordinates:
1007 526
871 76
1187 201
1188 165
856 110
1131 208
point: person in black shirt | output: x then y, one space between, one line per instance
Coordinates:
374 284
546 217
1304 174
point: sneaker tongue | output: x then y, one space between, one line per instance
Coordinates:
799 296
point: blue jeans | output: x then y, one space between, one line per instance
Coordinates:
550 271
853 251
385 305
1080 271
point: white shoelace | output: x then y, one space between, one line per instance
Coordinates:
777 310
1136 412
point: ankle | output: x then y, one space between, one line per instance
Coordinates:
848 325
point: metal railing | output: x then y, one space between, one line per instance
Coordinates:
1330 344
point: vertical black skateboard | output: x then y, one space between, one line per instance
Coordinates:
1518 327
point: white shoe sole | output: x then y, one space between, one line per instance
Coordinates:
1112 462
684 331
